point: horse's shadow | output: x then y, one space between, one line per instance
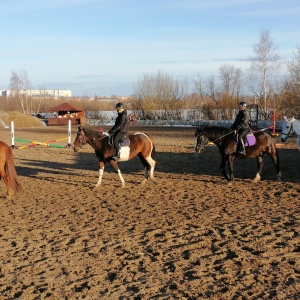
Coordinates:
206 163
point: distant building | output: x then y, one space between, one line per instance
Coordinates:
38 93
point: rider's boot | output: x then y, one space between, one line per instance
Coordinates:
116 156
242 147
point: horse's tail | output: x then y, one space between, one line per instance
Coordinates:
10 170
153 153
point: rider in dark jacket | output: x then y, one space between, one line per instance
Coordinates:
242 125
119 129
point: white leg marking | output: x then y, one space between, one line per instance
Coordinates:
101 171
152 163
121 178
257 178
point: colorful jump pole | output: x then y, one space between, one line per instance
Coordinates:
34 143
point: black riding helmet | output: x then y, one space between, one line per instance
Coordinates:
243 104
119 105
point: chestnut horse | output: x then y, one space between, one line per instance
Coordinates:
8 170
262 142
137 144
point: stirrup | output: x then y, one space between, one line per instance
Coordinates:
243 152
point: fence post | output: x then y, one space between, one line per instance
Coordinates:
12 135
69 135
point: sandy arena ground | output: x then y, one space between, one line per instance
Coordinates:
185 236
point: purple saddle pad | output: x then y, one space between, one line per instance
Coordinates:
250 139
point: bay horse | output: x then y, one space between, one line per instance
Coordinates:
8 170
263 142
290 126
137 144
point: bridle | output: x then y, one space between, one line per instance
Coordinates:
87 140
201 134
288 134
80 144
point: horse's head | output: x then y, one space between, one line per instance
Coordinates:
201 140
80 140
287 128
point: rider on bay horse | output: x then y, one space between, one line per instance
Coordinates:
119 129
242 126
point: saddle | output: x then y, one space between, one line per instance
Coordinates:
250 139
125 142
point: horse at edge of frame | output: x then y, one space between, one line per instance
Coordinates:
8 170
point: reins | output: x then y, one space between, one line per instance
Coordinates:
222 136
91 141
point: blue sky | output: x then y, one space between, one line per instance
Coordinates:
104 47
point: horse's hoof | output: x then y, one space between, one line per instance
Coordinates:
230 183
144 181
256 179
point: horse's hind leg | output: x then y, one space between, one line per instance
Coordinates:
151 162
275 159
149 165
6 180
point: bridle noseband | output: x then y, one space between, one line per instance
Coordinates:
80 144
288 134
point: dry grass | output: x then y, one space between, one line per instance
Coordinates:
20 119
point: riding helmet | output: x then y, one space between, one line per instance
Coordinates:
243 104
119 105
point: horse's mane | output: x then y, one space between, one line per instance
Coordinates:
214 132
91 133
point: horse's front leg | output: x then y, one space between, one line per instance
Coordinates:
260 163
101 171
230 168
222 167
118 171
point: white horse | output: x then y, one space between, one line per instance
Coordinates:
290 126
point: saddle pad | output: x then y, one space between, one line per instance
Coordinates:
125 142
250 140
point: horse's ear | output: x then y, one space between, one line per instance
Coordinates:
285 118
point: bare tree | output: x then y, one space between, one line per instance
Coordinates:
289 98
19 83
293 65
159 96
264 63
231 80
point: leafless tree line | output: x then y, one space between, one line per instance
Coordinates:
161 96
